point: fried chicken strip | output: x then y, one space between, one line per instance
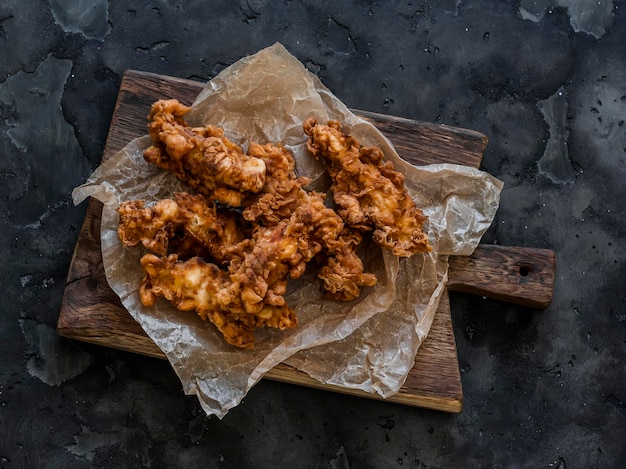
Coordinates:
203 287
202 157
189 225
282 251
251 292
283 195
370 193
342 272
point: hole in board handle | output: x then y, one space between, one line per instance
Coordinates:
525 270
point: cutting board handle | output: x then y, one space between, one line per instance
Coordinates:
518 275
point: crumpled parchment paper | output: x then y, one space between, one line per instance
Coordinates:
369 343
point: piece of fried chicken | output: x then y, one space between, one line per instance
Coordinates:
281 252
201 157
282 192
195 285
282 197
370 193
342 272
188 225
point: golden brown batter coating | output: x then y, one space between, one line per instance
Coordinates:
189 225
195 285
202 157
283 195
369 191
282 251
203 259
342 272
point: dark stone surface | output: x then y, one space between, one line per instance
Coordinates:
546 81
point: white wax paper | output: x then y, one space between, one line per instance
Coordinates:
369 343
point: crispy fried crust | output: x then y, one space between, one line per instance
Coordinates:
232 267
370 193
203 287
203 158
333 243
188 225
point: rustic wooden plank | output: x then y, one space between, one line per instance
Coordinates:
515 274
423 143
92 312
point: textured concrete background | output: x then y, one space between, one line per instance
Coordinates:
545 80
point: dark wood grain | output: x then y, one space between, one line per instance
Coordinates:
91 312
423 143
519 275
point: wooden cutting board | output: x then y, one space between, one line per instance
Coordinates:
91 312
